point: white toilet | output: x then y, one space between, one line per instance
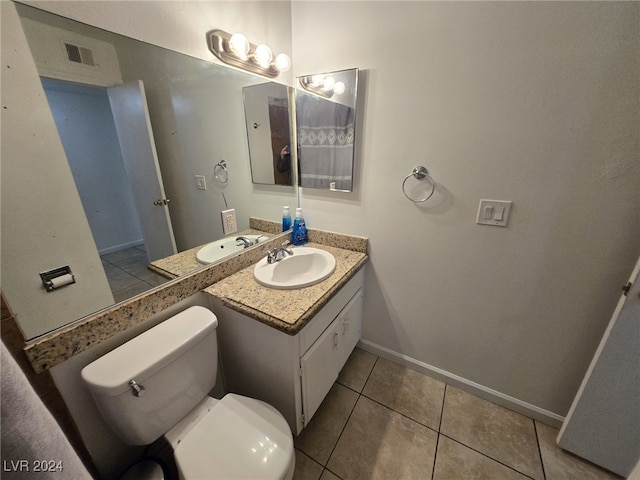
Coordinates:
158 383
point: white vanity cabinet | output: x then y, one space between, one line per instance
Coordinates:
291 372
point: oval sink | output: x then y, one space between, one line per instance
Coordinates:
214 251
307 266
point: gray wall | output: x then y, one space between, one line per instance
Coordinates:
85 124
534 102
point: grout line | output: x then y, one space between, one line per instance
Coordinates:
308 456
487 456
535 429
332 473
351 412
399 413
342 431
435 454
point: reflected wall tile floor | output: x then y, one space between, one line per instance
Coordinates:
128 274
384 421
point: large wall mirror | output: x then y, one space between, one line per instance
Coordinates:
195 121
325 129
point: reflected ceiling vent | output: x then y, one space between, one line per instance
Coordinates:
79 54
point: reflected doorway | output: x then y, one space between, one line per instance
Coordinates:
85 123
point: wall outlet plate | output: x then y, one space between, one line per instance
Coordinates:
229 224
493 212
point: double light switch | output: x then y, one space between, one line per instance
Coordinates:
493 212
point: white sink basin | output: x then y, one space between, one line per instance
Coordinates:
214 251
307 266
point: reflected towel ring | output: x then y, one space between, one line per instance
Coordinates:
419 173
221 169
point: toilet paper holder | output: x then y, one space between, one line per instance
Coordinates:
58 277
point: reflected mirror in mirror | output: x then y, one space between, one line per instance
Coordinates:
194 118
266 108
325 129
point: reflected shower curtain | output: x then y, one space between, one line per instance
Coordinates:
325 143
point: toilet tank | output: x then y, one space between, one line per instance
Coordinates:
173 365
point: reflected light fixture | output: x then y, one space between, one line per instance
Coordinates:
236 50
322 85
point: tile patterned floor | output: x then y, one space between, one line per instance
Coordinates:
128 274
383 421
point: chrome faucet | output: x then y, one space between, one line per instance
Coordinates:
245 240
278 253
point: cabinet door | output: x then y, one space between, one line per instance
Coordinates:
322 363
351 325
320 367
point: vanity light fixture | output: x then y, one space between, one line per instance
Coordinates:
325 86
236 50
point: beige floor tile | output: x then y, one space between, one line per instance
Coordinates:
378 443
320 436
493 430
357 369
306 468
455 461
561 465
411 393
327 475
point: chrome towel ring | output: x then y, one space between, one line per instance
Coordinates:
221 170
419 173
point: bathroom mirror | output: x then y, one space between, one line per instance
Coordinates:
325 129
266 108
195 111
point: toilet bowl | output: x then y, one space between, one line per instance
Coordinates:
157 385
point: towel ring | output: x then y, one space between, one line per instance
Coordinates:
419 173
221 168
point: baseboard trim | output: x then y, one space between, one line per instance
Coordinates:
537 413
122 246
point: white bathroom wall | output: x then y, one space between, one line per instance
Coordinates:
533 102
85 125
43 223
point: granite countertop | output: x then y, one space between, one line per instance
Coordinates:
185 262
287 310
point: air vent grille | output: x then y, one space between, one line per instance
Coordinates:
79 54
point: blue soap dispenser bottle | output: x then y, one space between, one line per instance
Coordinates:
286 218
299 234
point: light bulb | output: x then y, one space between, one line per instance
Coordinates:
317 80
329 83
239 44
263 56
283 62
339 88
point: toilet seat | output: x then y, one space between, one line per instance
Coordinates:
239 438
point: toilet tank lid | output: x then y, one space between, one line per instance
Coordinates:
148 352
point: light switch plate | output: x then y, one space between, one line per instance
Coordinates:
201 182
493 212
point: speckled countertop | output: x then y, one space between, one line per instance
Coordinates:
287 310
185 262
